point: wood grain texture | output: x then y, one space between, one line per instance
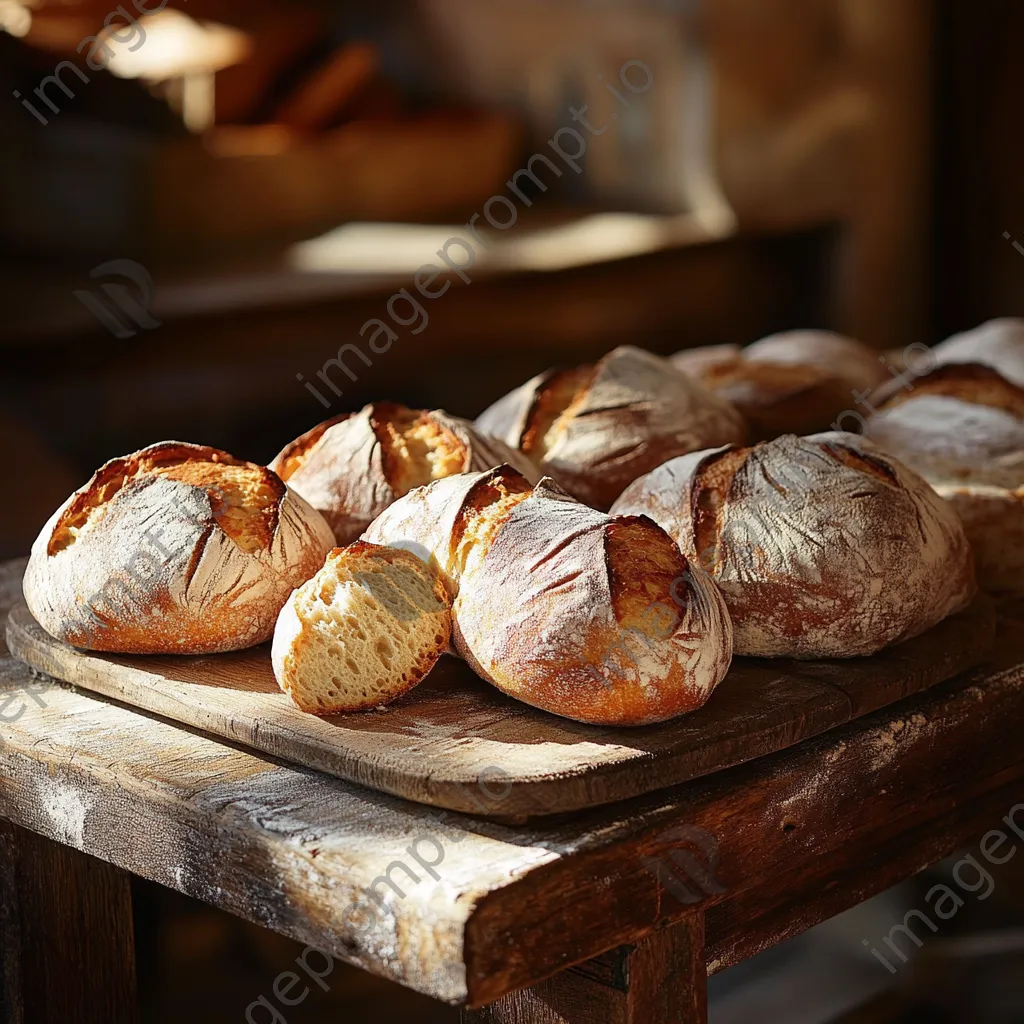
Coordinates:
513 905
660 980
432 745
65 934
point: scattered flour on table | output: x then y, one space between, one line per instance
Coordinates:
67 811
888 742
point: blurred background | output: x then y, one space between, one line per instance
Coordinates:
203 202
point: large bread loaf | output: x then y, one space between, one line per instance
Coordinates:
962 429
177 548
823 546
593 617
595 429
797 382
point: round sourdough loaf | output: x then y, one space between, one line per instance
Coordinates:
592 617
352 467
797 382
962 429
962 422
363 631
998 344
824 546
596 428
178 549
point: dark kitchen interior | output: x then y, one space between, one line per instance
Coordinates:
195 231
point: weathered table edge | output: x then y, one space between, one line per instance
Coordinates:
545 795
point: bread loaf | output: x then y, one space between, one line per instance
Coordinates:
962 429
177 548
352 467
961 422
592 617
824 546
364 630
998 344
596 428
797 382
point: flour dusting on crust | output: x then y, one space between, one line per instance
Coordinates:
819 555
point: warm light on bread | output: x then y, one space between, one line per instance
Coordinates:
485 510
553 408
175 548
795 382
962 428
417 448
352 467
364 630
243 496
592 617
647 571
823 546
595 429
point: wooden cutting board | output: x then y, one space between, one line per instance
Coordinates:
457 743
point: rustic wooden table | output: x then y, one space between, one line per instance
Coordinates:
609 916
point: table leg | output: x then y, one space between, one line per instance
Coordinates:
66 941
661 980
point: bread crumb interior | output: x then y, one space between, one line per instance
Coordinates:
376 627
417 449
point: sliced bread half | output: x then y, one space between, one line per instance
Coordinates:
365 629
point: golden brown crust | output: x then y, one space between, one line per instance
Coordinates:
353 468
861 461
416 447
647 572
595 618
175 549
710 493
292 456
970 382
823 546
798 382
483 512
554 398
596 429
245 497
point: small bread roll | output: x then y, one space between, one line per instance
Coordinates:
998 344
796 382
962 429
177 549
824 546
352 467
592 617
364 630
597 428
